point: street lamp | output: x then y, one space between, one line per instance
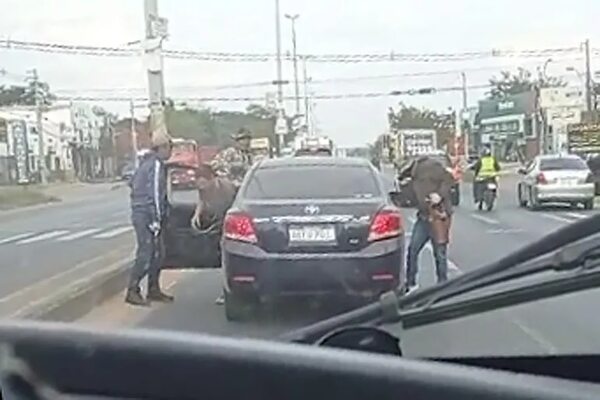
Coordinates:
293 19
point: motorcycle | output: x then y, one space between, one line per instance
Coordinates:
489 194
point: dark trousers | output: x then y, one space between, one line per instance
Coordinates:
479 185
149 253
421 234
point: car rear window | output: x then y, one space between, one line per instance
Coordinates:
553 164
310 182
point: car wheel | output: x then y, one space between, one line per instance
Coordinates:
522 202
235 308
589 204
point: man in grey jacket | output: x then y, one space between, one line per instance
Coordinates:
149 211
432 184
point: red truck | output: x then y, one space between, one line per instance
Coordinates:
185 158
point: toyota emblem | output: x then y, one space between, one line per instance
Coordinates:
312 210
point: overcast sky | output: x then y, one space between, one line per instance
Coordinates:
324 26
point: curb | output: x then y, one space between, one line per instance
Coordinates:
81 297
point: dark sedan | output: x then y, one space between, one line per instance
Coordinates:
310 226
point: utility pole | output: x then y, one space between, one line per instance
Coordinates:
156 32
588 77
293 19
280 124
306 104
39 103
464 90
465 132
278 48
134 148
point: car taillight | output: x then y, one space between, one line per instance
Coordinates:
386 224
239 226
541 179
191 172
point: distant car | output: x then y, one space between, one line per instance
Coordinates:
556 179
408 198
310 226
313 152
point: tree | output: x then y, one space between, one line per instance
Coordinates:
413 118
509 83
24 95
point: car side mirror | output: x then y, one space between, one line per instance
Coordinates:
522 171
395 197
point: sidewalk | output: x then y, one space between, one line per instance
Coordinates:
18 199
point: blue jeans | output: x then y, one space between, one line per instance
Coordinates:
421 234
149 252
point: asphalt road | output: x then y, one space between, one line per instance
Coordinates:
44 248
566 324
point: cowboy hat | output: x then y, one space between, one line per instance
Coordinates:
243 133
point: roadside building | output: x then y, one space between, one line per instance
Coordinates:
71 134
559 107
510 126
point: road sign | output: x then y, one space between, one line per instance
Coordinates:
19 133
159 27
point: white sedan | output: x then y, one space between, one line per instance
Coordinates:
556 179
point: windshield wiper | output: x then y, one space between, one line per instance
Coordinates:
569 255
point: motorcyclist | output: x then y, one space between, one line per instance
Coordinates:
484 169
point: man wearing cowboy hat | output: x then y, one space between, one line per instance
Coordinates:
234 161
149 208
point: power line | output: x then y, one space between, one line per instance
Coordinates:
313 81
106 51
338 96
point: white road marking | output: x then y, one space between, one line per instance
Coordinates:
487 220
557 218
576 215
78 235
84 264
504 231
16 237
453 267
43 236
113 232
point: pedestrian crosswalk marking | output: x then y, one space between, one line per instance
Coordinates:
113 232
77 235
43 236
578 216
557 218
16 237
487 220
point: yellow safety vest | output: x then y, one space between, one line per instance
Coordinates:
487 167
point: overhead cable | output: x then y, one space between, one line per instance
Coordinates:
106 51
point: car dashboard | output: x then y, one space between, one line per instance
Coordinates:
166 365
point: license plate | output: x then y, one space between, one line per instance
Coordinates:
312 234
492 186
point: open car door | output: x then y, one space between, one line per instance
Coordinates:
185 247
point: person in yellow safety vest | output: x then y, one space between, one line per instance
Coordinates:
485 168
